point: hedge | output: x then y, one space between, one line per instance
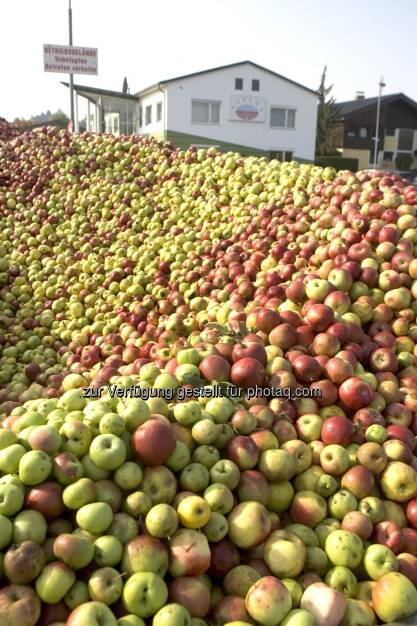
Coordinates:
340 163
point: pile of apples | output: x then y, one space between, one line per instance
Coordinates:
127 263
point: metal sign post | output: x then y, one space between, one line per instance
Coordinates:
71 76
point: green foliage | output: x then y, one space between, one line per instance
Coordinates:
328 116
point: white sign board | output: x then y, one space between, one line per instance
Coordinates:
247 109
70 59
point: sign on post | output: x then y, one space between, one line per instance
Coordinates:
70 59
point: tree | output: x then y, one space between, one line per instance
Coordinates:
328 117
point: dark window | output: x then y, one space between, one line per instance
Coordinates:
390 132
405 139
288 155
238 83
281 155
388 156
159 111
255 84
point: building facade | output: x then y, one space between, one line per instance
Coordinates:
241 107
397 136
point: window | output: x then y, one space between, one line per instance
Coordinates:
388 156
282 118
148 115
159 111
390 132
405 139
255 84
351 131
281 155
140 117
239 83
363 132
205 112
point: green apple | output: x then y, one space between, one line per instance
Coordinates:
82 492
358 613
285 554
225 472
7 438
219 497
95 517
108 451
130 620
55 580
6 531
344 548
105 585
93 471
74 550
10 458
206 455
34 467
124 527
180 458
144 594
379 560
113 424
298 617
29 525
108 551
187 413
11 499
162 521
128 476
268 601
342 579
341 503
76 438
195 477
221 409
137 504
72 400
77 595
216 528
172 615
249 524
93 614
394 597
399 482
280 496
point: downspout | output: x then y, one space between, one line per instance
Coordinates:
164 109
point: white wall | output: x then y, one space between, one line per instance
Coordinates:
220 85
152 99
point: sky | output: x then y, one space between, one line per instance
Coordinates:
148 41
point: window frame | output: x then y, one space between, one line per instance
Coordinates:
210 104
159 111
285 108
148 109
236 83
256 81
385 158
361 135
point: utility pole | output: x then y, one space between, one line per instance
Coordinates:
378 112
71 76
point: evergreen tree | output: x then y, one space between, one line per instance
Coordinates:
327 116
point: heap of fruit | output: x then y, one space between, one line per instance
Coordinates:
129 266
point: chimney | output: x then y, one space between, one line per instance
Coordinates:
359 95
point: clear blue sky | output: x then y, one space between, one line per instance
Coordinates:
155 39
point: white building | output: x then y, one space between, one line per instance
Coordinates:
242 107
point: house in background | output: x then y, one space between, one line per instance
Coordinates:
355 137
241 107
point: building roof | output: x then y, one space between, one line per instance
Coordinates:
95 92
353 106
223 67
